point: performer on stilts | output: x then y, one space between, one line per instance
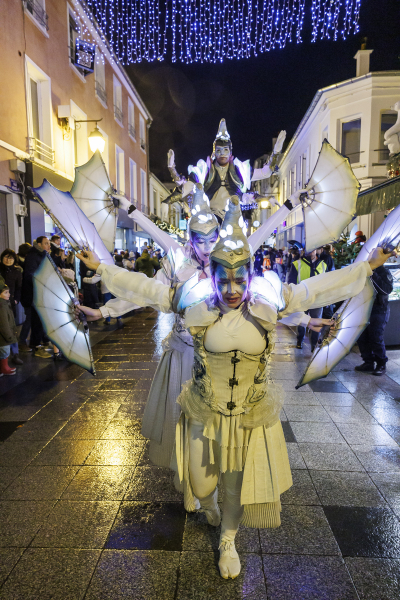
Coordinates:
229 426
222 175
162 411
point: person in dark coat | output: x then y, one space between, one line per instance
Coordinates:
147 265
8 330
32 261
12 275
371 342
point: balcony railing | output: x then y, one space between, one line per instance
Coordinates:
40 150
143 144
132 130
118 114
101 92
37 11
144 209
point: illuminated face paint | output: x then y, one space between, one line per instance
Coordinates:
231 285
222 154
203 245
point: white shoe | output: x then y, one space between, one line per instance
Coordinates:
213 515
229 561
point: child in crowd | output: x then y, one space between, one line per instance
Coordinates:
8 330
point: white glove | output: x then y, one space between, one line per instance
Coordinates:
188 188
295 198
171 158
124 203
279 142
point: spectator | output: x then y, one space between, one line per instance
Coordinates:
58 256
22 252
126 261
278 265
371 342
8 330
118 260
55 242
32 261
301 269
12 276
147 265
325 255
89 287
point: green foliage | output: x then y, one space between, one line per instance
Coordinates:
344 253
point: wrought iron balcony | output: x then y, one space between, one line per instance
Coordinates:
37 11
118 114
101 92
40 150
132 130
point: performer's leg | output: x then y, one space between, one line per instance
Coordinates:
232 511
377 326
203 476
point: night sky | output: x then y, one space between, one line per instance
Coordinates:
258 96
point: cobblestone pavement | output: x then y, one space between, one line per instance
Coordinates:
84 515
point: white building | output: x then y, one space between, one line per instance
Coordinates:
353 116
158 193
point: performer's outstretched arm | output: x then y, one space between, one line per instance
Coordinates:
162 238
264 232
332 287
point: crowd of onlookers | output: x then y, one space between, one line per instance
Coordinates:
16 294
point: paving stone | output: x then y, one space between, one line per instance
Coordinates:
301 399
350 414
288 432
19 453
346 489
307 413
82 429
375 578
330 457
383 459
365 433
389 486
200 579
8 558
365 531
20 520
128 574
64 452
51 574
8 475
293 577
120 429
77 525
295 458
148 526
316 432
304 530
99 483
153 483
40 483
334 399
115 452
321 385
302 491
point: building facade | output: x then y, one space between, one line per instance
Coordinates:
353 116
45 108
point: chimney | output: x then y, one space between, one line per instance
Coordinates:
362 58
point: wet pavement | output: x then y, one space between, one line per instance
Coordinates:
85 515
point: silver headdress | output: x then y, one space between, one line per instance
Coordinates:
203 220
222 135
232 248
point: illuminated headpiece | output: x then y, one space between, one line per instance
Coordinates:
203 220
232 248
222 135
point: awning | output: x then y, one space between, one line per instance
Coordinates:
383 196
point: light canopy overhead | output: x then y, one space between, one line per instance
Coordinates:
213 30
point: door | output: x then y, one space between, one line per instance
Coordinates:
3 222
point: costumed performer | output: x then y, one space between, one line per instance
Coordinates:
229 426
175 367
222 175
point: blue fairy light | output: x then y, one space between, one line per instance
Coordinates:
215 30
